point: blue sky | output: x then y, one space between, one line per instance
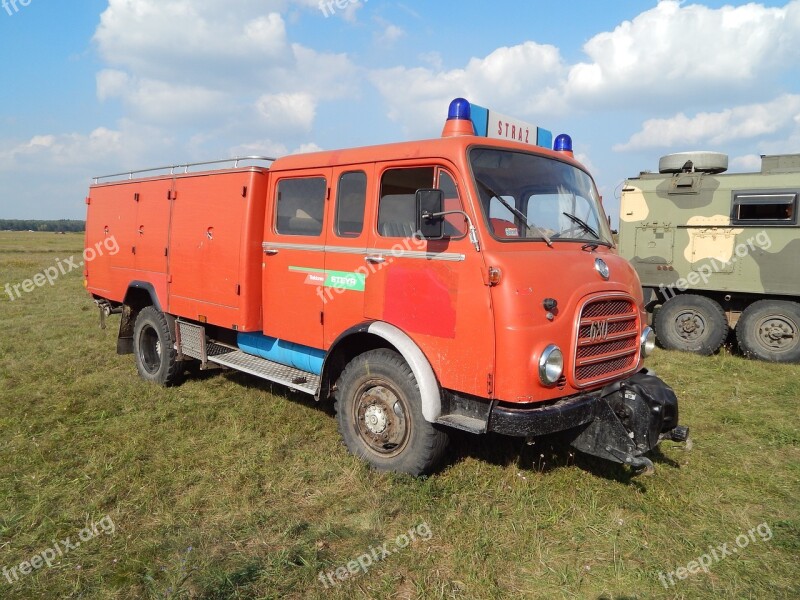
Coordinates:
101 86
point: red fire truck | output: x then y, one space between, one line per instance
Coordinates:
466 282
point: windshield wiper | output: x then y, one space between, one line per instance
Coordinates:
517 212
588 228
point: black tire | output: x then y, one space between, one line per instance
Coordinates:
379 411
770 330
154 348
691 323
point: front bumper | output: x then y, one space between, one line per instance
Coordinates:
621 422
553 418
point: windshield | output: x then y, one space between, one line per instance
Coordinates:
525 196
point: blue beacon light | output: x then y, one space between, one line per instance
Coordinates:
563 144
459 110
459 119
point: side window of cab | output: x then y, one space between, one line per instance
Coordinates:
301 206
397 204
351 200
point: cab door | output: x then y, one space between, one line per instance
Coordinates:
294 257
346 250
433 290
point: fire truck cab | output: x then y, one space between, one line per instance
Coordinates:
466 282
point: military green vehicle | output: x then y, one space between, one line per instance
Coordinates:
718 251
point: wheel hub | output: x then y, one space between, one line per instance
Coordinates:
777 332
381 419
690 325
375 419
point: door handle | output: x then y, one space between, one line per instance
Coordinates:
375 260
270 251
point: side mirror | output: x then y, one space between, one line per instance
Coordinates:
430 203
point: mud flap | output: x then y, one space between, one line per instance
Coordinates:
631 418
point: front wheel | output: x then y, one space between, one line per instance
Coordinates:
770 330
154 348
691 323
379 411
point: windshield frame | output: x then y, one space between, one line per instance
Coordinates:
604 229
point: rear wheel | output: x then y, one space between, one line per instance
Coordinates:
154 348
770 330
691 323
379 411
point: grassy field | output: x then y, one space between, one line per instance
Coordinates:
226 487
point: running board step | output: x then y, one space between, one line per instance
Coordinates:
191 341
263 368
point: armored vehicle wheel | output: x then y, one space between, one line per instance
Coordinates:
379 410
691 323
154 348
770 330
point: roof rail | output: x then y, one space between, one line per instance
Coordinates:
185 167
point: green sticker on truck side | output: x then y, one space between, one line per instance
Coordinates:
340 280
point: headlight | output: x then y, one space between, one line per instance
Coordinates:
648 341
551 365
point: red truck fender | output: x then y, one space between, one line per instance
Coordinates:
356 341
423 372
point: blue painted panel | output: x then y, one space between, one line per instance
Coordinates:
544 138
480 120
282 352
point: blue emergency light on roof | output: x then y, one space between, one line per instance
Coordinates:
459 119
459 109
563 143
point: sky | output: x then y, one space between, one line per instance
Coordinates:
95 87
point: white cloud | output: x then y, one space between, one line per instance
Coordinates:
287 111
305 148
389 32
516 80
112 83
177 38
685 51
266 148
324 75
101 148
718 128
749 163
433 59
198 61
271 149
163 102
673 54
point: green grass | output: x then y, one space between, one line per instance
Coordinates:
226 487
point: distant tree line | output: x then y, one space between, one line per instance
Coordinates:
31 225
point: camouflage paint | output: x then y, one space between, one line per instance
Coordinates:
676 231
